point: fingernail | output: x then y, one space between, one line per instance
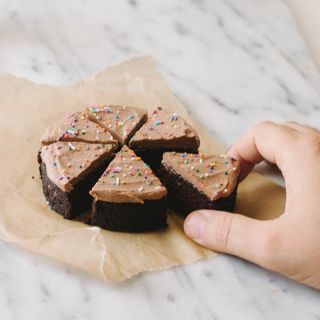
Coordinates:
195 225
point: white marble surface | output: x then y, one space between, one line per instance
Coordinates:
232 63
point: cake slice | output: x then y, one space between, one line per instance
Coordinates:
69 170
77 127
197 182
128 196
121 121
164 131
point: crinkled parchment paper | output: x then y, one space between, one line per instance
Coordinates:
26 109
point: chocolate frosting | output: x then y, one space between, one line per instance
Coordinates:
128 179
67 162
216 176
77 127
120 121
165 129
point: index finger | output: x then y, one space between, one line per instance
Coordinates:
266 141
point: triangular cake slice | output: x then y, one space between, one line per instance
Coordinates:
128 196
77 127
196 181
69 170
164 131
121 121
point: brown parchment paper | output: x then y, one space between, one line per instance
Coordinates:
26 109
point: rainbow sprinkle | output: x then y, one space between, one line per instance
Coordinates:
107 110
173 117
71 146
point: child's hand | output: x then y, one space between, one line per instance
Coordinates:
289 244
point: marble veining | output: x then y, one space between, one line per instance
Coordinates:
231 63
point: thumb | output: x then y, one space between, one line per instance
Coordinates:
231 233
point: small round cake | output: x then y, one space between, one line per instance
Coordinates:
83 169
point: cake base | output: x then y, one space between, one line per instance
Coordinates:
184 198
76 202
153 157
130 217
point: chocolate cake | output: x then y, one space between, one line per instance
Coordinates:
78 172
128 196
195 181
77 127
164 131
121 121
69 170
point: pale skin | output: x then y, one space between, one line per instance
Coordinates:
290 244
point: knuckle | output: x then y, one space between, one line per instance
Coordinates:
264 124
222 236
290 122
263 127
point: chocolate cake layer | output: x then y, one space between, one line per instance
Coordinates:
130 217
